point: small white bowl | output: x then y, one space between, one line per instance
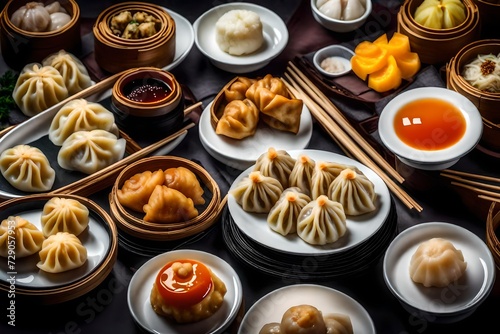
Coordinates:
440 305
275 38
340 25
340 53
431 159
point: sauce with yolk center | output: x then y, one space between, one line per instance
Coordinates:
184 290
146 90
429 124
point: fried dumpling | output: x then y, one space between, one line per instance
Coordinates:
322 221
80 115
237 90
184 180
61 252
271 83
28 238
135 191
257 193
27 168
301 174
354 191
61 214
74 73
283 216
167 205
90 151
277 164
239 119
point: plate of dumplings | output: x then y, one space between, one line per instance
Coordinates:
308 202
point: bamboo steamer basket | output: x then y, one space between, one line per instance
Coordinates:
490 16
115 54
20 47
437 46
488 103
492 225
132 223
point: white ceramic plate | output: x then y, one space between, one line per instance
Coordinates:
271 307
184 39
142 282
96 239
241 154
470 290
275 38
359 228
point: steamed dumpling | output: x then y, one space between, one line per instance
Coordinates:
322 221
301 175
277 164
90 151
338 323
167 205
437 263
61 214
184 180
239 32
74 73
80 115
38 88
354 191
257 193
135 191
239 119
61 252
28 238
27 168
303 319
283 216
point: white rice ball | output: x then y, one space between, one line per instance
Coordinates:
239 32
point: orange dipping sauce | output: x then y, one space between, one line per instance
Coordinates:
429 124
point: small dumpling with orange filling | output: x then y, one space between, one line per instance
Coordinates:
184 180
136 190
167 205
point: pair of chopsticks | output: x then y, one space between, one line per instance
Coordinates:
353 144
486 187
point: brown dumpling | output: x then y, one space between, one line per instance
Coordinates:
167 205
135 192
184 180
239 120
237 90
274 84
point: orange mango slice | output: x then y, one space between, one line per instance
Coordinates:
362 65
387 78
369 49
409 64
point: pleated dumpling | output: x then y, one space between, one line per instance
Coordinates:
28 238
239 119
277 164
38 88
80 115
135 191
90 151
237 90
338 323
75 74
27 168
283 216
167 205
184 180
354 191
61 252
302 172
322 221
61 214
257 193
437 263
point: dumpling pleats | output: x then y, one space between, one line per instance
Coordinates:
283 216
257 193
136 190
167 205
61 252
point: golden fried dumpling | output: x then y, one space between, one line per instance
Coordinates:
283 216
354 191
277 164
237 90
273 84
28 238
135 191
257 193
184 180
239 119
437 263
167 205
61 214
61 252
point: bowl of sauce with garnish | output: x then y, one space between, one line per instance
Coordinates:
430 128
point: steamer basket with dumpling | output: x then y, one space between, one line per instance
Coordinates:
488 103
132 222
116 53
20 46
437 46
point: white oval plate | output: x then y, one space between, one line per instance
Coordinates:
271 307
184 39
359 228
274 30
241 154
471 289
140 288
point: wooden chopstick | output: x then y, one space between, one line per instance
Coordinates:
339 135
446 172
192 107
